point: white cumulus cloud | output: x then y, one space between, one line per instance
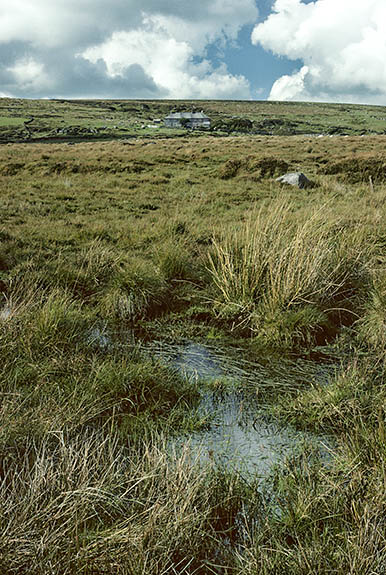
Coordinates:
159 48
134 48
342 44
29 74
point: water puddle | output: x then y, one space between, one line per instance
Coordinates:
245 439
241 435
5 313
98 337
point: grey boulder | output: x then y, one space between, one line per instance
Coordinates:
295 179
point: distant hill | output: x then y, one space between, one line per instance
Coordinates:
34 120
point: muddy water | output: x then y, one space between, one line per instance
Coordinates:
240 434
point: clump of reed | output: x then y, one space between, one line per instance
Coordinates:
86 503
289 281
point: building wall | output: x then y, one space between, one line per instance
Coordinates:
172 123
193 123
202 123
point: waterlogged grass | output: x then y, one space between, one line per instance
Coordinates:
55 379
88 504
188 237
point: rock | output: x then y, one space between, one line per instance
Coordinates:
295 179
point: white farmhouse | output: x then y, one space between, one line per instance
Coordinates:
187 119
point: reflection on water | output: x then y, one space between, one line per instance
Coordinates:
245 439
241 436
192 359
210 362
5 313
97 336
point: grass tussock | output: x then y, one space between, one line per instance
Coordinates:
372 326
355 394
138 291
327 520
290 281
253 168
87 504
360 169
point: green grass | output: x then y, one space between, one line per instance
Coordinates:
95 119
9 121
187 237
289 282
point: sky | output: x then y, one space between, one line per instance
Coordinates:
290 50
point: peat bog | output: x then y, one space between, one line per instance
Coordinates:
157 289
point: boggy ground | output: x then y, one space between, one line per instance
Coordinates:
188 237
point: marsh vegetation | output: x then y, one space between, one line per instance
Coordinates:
190 239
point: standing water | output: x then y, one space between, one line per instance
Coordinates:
5 312
240 434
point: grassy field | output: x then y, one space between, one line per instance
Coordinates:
98 119
188 237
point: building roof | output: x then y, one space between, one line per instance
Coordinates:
187 116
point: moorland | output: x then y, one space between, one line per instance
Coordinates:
90 120
179 235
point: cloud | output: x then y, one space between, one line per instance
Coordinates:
29 74
341 43
49 23
169 61
81 79
120 48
